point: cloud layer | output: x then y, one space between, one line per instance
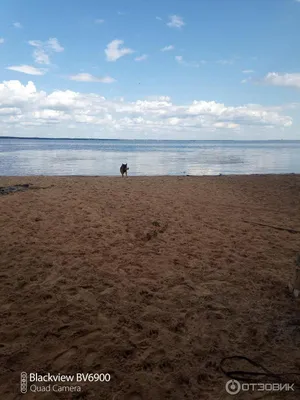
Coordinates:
23 109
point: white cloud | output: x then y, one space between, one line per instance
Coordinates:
35 43
43 50
24 107
17 25
99 21
175 22
158 18
27 69
168 48
141 58
275 79
248 71
41 57
181 61
85 77
54 45
2 40
114 51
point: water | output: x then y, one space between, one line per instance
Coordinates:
104 157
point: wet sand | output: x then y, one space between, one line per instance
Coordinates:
150 279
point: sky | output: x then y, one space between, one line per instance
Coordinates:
180 69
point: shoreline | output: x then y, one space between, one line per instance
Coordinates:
147 176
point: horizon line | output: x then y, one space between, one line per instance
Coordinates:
156 140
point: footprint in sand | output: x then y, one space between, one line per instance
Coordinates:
65 358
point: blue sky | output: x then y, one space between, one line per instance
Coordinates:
230 69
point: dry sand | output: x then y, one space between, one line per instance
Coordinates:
152 280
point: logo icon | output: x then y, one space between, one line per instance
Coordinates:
23 382
233 387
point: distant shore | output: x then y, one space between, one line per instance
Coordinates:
149 140
150 279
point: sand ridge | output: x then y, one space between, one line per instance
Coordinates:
152 280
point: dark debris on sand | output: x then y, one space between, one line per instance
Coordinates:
13 189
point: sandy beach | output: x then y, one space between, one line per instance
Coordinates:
150 279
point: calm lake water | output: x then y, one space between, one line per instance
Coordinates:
104 157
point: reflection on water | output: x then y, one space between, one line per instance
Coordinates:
104 157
